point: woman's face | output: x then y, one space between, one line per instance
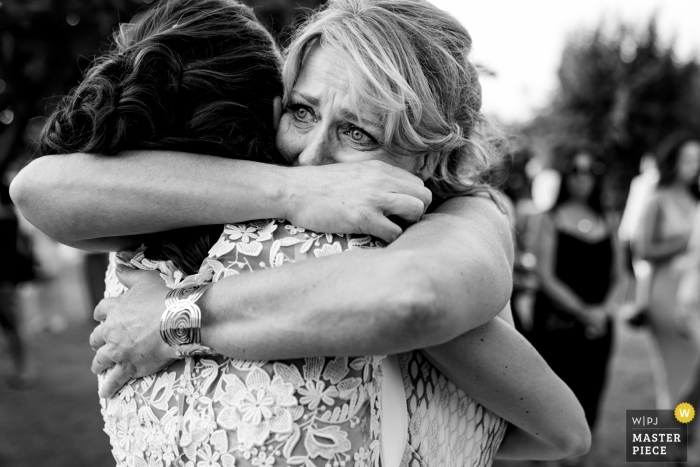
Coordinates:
319 125
688 163
581 180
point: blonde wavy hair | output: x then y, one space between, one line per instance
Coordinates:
413 75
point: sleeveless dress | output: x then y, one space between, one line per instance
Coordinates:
678 355
581 362
212 411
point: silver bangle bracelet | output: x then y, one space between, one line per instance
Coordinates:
181 322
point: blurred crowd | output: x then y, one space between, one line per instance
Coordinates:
580 264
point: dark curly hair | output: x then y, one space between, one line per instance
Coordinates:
189 75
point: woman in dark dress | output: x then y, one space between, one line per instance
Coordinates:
580 267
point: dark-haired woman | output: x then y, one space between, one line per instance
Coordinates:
662 240
579 265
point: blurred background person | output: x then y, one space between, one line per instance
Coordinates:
579 264
662 240
16 266
641 190
517 187
688 316
688 306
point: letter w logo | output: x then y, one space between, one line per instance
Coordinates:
684 412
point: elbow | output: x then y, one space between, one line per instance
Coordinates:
34 192
29 188
415 311
429 311
573 440
577 442
20 191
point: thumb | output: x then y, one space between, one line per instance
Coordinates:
128 276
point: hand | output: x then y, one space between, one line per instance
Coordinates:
356 197
596 321
128 340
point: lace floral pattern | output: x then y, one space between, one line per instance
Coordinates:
220 412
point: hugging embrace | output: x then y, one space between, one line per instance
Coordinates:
375 329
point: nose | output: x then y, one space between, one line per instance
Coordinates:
316 150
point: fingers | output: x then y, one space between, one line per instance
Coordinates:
102 309
114 380
128 276
96 339
405 182
414 188
380 226
102 361
404 206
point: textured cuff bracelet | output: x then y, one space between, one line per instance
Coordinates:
181 322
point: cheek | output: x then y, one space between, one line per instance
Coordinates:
287 141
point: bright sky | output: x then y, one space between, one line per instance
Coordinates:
522 41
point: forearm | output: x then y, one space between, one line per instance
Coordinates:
499 368
79 197
519 444
325 313
412 294
659 251
359 303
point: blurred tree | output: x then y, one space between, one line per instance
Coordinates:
45 45
622 93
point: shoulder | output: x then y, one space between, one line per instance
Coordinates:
478 217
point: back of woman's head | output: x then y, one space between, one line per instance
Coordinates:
410 70
668 153
188 75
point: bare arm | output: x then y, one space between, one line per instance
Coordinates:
689 285
501 370
650 248
86 200
445 275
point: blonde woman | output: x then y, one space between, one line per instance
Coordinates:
365 81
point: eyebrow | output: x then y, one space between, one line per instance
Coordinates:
315 101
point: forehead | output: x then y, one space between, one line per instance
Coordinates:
690 150
324 71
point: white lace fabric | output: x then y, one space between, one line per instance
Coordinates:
221 412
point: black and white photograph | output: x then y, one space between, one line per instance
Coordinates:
349 233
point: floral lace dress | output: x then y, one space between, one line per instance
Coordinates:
214 411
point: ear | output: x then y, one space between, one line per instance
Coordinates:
424 171
276 112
